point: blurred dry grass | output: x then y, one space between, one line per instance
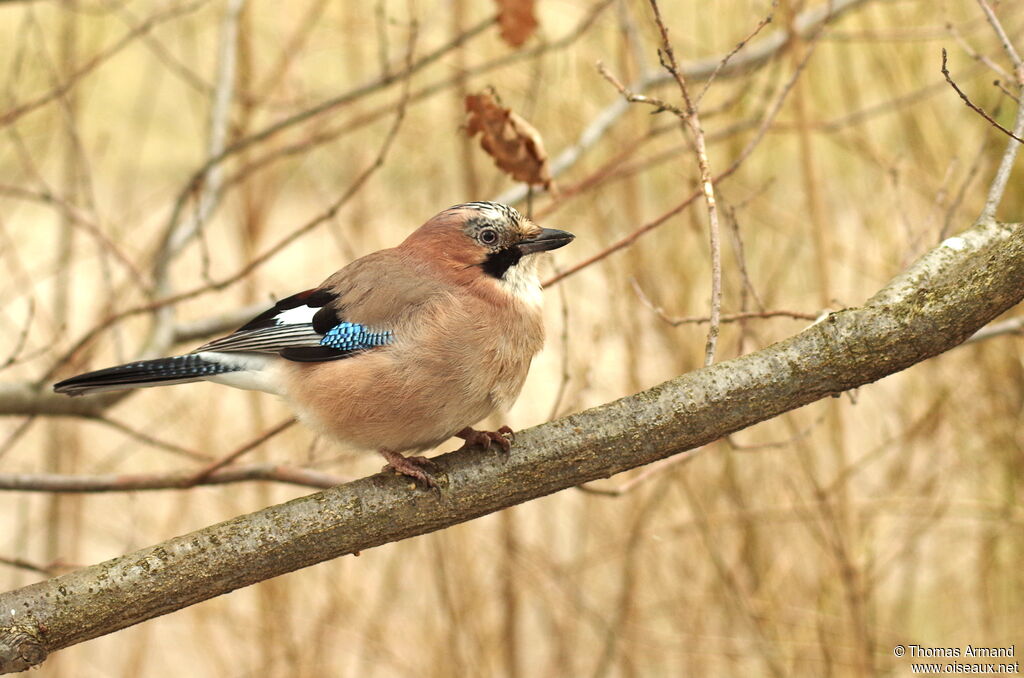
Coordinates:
892 515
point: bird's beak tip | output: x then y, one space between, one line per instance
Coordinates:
547 239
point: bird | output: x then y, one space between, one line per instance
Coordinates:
398 351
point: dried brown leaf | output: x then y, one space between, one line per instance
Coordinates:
515 144
517 20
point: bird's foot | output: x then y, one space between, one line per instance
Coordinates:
503 438
417 468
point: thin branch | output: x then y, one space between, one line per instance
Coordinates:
273 129
77 218
1002 177
208 191
204 328
1006 163
175 11
14 436
740 45
623 242
807 24
650 472
1010 95
970 104
725 318
231 457
691 120
22 564
975 54
627 240
173 480
150 440
1004 39
19 343
1000 329
747 290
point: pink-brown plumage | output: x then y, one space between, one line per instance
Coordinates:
462 349
398 351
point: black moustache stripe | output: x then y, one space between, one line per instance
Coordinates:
497 263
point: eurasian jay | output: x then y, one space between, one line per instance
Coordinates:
398 351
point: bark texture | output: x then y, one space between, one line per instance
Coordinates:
939 302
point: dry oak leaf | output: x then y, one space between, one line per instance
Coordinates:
516 20
514 144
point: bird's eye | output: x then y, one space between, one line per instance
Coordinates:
488 236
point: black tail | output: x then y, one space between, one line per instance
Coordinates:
160 372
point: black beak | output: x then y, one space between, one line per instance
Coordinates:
547 239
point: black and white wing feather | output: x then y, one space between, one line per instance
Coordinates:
304 327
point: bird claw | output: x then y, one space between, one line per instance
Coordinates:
417 468
503 438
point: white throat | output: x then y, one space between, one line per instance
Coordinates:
522 282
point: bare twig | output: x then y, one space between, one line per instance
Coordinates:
1011 326
173 12
173 480
231 457
623 242
691 119
725 318
77 218
1002 88
272 130
1006 163
1002 176
216 324
807 24
1004 39
649 473
152 441
748 289
740 45
19 343
970 104
15 435
22 564
799 435
209 189
755 140
983 59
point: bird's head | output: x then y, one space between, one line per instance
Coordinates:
494 239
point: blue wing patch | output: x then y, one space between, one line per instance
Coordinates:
340 341
354 337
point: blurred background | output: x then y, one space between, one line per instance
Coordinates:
809 545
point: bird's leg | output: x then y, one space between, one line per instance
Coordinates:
502 438
418 468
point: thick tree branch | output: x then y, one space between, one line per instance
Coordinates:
943 299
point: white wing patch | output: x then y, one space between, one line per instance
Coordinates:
296 316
